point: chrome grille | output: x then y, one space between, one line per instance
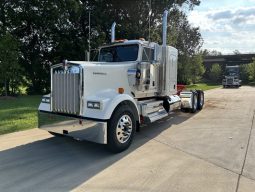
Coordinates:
66 92
229 81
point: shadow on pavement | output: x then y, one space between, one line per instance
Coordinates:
62 164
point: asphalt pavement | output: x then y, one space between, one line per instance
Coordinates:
210 151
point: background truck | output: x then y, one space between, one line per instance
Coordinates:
231 77
133 82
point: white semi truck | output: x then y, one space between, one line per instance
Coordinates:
133 82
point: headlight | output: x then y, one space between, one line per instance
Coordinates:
46 100
93 105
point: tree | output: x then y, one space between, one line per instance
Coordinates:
190 69
50 31
197 68
215 73
10 69
184 70
247 72
237 52
133 18
251 71
206 52
244 73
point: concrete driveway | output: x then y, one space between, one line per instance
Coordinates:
213 150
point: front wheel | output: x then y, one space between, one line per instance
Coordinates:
121 129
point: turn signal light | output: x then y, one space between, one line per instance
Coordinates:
121 90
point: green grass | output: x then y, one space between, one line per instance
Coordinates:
252 83
202 86
18 114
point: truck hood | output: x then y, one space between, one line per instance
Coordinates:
105 76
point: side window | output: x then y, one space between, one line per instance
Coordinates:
148 54
106 56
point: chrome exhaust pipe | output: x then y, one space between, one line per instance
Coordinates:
113 32
162 83
164 23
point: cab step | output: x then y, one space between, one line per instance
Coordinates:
157 115
152 110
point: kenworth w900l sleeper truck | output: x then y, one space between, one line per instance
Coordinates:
133 82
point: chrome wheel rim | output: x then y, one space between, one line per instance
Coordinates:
124 129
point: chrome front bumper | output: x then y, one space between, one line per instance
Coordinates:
75 127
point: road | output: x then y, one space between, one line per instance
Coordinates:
212 150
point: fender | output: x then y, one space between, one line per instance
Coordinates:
109 100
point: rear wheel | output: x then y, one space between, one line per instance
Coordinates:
121 128
200 100
194 102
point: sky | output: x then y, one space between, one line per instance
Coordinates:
226 25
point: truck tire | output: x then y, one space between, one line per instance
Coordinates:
194 102
200 100
121 129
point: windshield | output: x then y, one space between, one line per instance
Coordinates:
119 53
232 71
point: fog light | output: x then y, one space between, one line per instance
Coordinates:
90 105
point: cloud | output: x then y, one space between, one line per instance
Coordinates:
226 29
238 16
232 14
221 15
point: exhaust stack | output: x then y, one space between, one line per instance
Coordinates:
162 82
113 32
164 23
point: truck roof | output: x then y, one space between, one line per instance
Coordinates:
128 42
